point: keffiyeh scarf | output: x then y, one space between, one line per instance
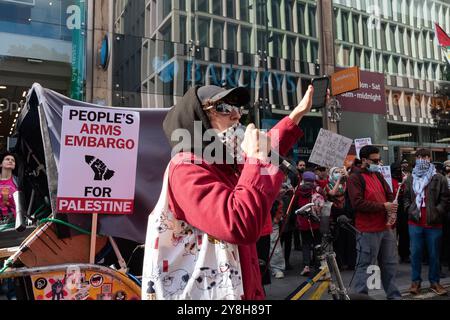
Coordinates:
422 174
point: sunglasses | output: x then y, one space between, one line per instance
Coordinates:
375 161
225 108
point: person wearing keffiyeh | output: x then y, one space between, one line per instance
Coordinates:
426 200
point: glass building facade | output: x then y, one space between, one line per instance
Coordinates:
40 41
272 47
195 42
162 48
397 38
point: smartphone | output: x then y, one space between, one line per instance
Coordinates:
321 86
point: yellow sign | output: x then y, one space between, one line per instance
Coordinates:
81 285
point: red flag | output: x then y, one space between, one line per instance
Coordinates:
443 38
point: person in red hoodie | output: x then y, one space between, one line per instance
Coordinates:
309 191
230 201
372 200
322 176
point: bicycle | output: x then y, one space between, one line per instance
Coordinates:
329 277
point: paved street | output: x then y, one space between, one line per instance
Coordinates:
281 288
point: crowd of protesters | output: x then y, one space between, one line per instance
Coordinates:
406 224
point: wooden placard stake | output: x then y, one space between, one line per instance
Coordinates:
93 238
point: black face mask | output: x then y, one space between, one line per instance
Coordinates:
447 170
301 170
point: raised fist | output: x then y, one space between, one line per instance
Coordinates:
101 172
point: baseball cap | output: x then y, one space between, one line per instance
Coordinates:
447 163
237 96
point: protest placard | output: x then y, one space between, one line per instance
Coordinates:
386 172
360 143
330 149
98 159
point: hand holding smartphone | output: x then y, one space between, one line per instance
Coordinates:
321 86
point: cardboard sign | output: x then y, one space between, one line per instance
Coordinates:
346 80
360 143
386 172
330 149
98 159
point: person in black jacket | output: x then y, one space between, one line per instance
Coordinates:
426 201
402 215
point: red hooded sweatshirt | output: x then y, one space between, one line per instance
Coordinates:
230 206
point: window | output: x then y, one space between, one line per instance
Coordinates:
217 8
400 45
291 48
231 9
404 70
277 45
232 37
392 39
167 8
383 36
261 13
395 62
312 21
245 10
202 5
358 57
301 18
346 56
344 16
218 34
246 35
386 64
314 52
261 40
288 15
276 18
365 32
420 70
432 71
367 60
424 45
182 5
416 44
303 50
355 29
378 63
389 9
203 32
277 93
183 38
408 43
291 88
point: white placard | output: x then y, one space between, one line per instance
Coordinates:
360 143
330 149
97 164
386 172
